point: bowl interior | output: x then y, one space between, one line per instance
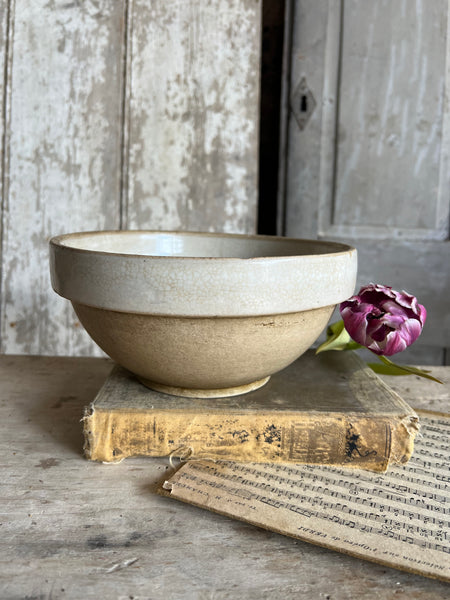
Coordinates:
196 245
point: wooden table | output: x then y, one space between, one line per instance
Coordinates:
71 528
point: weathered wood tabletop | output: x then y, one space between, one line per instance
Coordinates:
75 529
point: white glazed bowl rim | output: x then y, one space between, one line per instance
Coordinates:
202 286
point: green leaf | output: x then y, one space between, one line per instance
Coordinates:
387 369
338 338
390 368
335 328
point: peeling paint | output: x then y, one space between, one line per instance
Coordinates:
391 92
137 114
64 167
200 67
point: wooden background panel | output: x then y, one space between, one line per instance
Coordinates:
381 85
300 156
399 224
119 114
4 45
193 71
64 158
390 114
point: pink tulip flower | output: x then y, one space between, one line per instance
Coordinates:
383 320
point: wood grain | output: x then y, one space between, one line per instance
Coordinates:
392 119
301 157
126 114
371 167
64 159
5 28
193 115
373 161
75 529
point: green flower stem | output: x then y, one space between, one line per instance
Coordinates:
338 338
391 368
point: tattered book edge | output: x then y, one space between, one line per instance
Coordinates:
89 436
400 449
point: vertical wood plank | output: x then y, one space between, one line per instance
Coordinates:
371 165
300 173
4 17
372 161
64 158
392 92
193 115
5 12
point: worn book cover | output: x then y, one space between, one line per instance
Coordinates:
398 518
327 409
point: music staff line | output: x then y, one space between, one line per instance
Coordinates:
386 529
397 511
401 493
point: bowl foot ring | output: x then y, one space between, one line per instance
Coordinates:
202 393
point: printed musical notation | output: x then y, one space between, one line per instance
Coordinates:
390 518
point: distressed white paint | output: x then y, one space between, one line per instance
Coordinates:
301 152
193 115
125 113
64 168
382 120
4 99
372 165
386 163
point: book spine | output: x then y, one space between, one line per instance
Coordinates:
350 440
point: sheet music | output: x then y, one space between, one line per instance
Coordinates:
400 518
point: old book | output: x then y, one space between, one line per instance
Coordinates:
398 518
328 409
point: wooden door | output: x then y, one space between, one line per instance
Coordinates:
139 114
367 144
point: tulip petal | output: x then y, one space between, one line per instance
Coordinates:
355 320
411 330
382 319
394 343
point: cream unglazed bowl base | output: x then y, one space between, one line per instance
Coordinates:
197 314
205 393
203 357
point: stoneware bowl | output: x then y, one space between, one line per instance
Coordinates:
199 314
